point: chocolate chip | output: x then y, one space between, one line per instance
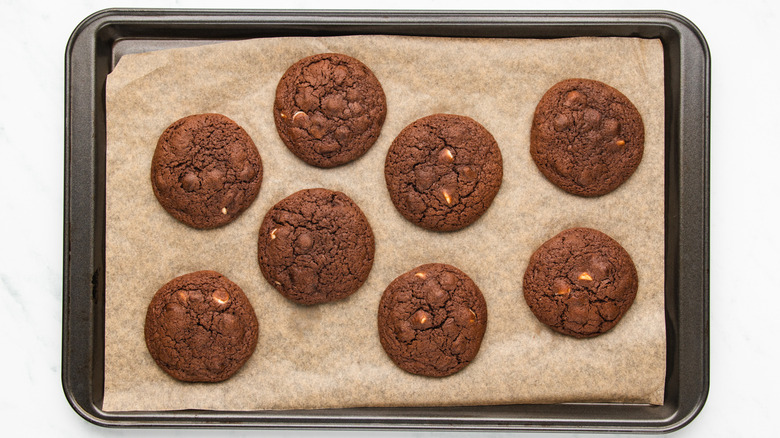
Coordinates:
562 121
611 127
574 99
304 242
446 156
301 119
592 118
448 280
221 296
421 320
190 182
467 173
435 295
424 178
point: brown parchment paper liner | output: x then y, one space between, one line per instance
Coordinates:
329 355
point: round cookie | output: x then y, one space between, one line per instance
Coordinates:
206 170
586 138
443 171
431 320
200 327
329 109
580 282
315 246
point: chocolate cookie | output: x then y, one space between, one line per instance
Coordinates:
206 170
329 109
315 246
443 171
586 138
580 282
431 320
200 327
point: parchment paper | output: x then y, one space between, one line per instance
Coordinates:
329 355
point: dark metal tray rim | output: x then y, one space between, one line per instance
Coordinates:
687 215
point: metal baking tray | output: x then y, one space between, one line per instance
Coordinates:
101 39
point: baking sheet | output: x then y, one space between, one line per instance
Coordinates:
329 355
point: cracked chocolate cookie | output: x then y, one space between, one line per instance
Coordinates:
315 246
580 282
443 171
431 320
206 170
329 109
200 327
586 138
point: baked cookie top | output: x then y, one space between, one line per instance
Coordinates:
431 320
443 171
329 109
200 327
580 282
586 137
206 170
315 246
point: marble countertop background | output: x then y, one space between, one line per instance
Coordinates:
743 233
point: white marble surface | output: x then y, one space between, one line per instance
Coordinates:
744 208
